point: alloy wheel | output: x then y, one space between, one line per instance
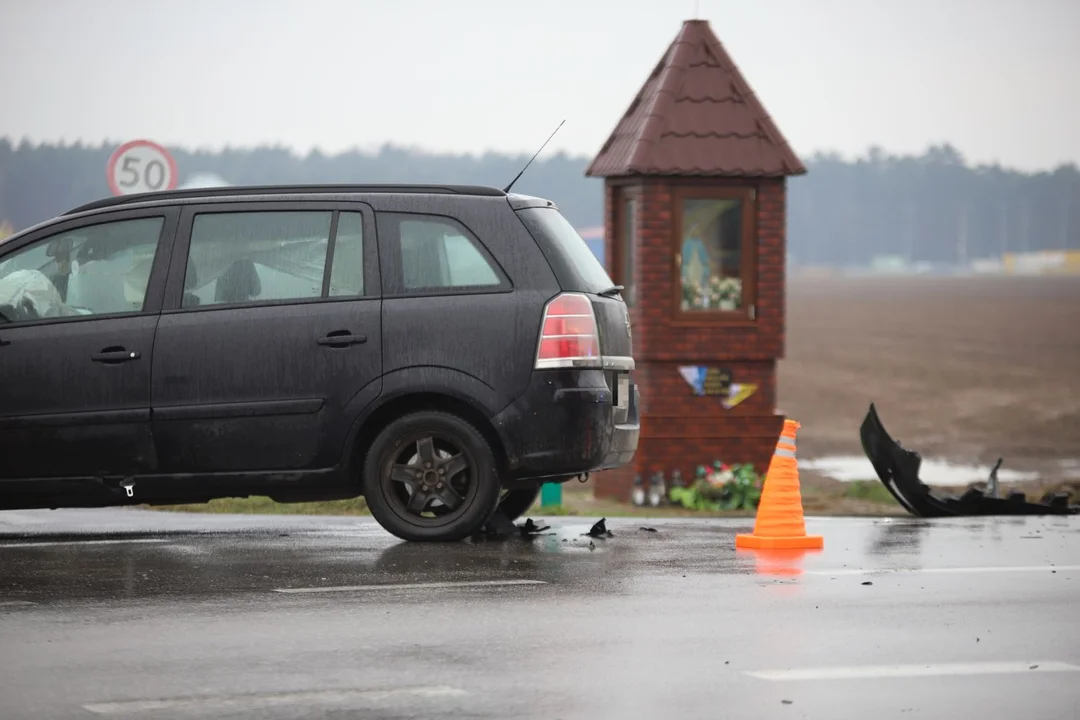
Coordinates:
430 479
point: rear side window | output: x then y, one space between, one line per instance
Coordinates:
247 257
347 268
435 254
575 265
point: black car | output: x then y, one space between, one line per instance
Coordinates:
440 350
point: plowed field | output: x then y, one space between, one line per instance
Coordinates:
961 369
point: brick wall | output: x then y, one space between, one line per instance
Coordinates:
679 429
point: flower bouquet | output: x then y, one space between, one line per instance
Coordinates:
721 487
725 293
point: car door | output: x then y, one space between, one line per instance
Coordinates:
270 340
79 301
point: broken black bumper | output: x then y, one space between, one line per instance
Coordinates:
570 422
898 469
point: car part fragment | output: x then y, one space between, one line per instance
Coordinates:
898 469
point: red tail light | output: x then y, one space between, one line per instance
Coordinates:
568 336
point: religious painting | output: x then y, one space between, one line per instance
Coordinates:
711 248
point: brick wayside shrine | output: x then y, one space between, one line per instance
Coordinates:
694 216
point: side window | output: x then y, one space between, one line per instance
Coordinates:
100 269
347 267
438 253
239 257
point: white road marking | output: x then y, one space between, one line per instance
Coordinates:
942 571
411 586
225 702
929 670
14 603
52 543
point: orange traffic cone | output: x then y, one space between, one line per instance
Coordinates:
780 522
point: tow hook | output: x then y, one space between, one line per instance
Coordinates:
583 478
129 488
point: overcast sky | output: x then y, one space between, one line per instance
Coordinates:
999 79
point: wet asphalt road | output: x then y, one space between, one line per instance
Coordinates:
137 614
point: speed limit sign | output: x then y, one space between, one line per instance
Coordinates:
141 166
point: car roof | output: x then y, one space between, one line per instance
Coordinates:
248 190
237 192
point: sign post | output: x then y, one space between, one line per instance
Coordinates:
141 166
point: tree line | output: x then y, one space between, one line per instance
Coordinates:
933 207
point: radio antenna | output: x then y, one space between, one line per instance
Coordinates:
507 188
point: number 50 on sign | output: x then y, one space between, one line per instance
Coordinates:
141 166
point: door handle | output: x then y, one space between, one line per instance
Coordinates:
4 342
341 338
113 355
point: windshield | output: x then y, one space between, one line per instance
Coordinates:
575 265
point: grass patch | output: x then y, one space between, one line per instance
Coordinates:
585 505
871 490
574 504
863 497
259 505
552 510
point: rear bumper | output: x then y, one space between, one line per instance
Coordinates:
568 422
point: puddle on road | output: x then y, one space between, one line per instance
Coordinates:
849 468
1070 469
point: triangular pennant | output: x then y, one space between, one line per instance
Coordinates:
739 392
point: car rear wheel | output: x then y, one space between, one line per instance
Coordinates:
430 476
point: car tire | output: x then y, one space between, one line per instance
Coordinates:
516 502
444 459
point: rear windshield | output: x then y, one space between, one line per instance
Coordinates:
575 266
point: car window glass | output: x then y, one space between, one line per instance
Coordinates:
586 272
240 257
436 254
94 270
347 267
